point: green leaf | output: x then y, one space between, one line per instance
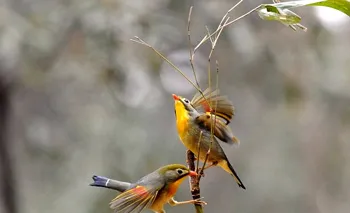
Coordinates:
272 13
280 11
285 16
270 8
340 5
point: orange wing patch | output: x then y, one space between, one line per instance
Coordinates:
205 106
133 200
140 190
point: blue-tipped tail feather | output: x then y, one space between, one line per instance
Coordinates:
99 181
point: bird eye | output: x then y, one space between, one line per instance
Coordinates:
186 101
179 171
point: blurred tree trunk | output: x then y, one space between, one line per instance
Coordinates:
7 180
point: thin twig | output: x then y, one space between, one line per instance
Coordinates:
199 149
190 45
208 31
140 41
242 16
211 131
206 37
213 125
217 38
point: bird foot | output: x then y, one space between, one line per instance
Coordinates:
202 173
200 202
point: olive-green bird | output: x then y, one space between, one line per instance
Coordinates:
195 120
150 192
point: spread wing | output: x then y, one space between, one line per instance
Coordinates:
135 199
221 130
214 103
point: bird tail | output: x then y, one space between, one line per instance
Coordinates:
235 141
229 168
100 181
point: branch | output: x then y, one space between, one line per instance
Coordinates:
194 181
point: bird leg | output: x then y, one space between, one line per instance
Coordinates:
207 167
173 202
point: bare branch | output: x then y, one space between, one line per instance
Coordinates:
242 16
194 182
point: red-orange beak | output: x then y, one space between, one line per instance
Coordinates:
176 98
192 173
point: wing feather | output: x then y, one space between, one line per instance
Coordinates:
214 103
223 132
134 200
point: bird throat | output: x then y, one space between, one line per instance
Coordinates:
174 186
182 119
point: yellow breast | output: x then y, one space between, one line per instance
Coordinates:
181 119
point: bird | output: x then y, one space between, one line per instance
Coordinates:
152 191
206 118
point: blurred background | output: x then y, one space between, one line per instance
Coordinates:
78 98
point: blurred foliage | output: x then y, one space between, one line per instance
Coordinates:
85 100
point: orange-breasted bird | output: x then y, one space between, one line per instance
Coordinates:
199 119
150 192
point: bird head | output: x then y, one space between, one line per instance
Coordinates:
175 172
183 106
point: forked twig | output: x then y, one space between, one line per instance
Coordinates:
213 125
206 37
242 16
225 19
217 38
